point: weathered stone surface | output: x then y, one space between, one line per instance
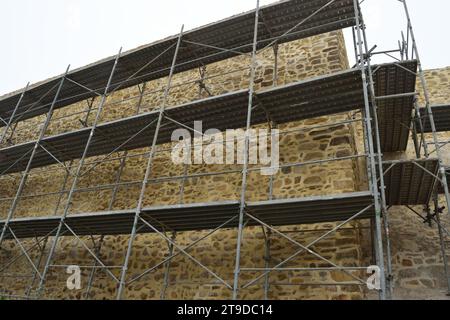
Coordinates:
298 60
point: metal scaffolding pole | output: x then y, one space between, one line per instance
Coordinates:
363 117
271 126
237 270
77 176
98 248
379 156
38 265
267 259
437 212
24 178
268 234
148 172
428 107
276 51
423 140
167 267
373 181
430 116
417 146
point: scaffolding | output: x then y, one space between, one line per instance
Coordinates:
384 94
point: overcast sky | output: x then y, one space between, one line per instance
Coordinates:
40 38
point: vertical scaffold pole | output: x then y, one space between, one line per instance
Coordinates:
267 258
13 115
274 85
423 82
423 140
77 175
429 109
148 172
384 208
38 265
167 267
437 212
363 119
373 181
268 233
24 178
237 270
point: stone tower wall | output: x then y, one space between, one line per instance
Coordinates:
298 60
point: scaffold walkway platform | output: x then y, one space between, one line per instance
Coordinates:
311 98
394 108
202 216
410 182
441 118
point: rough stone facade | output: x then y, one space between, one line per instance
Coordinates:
298 60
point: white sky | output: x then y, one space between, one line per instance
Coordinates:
40 38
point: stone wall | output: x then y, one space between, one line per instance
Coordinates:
310 57
417 263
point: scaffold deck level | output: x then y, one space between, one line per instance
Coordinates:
441 118
320 96
410 182
395 114
202 216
